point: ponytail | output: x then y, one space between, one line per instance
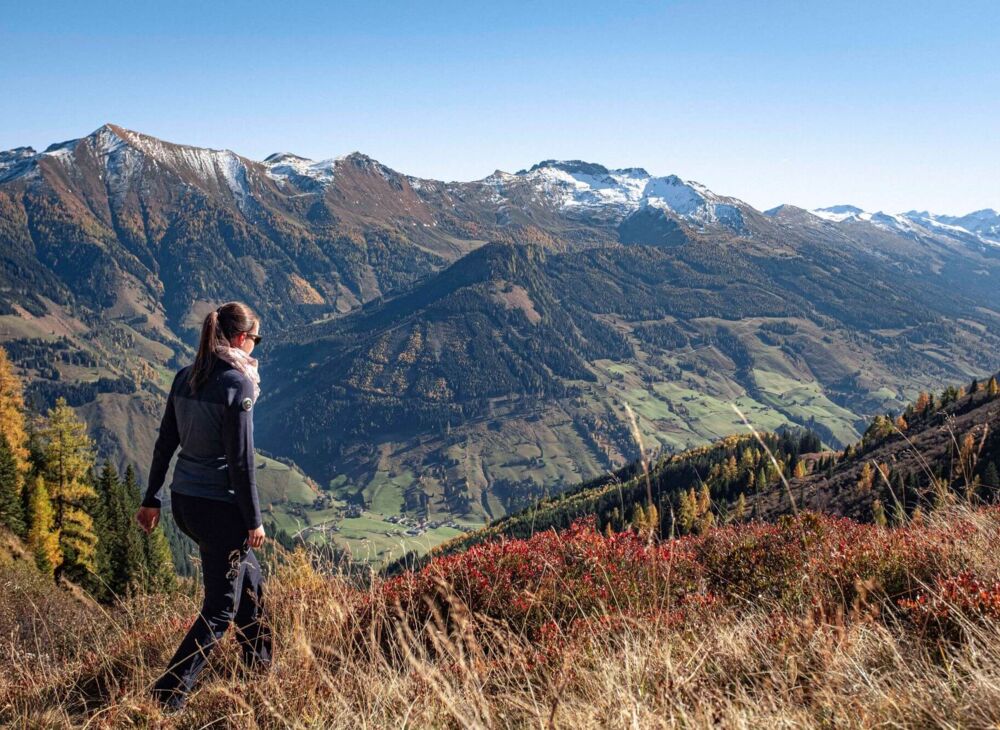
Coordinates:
220 326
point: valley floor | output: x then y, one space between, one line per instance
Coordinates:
812 622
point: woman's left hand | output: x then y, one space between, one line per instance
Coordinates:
148 518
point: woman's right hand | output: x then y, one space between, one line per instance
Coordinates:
255 538
148 518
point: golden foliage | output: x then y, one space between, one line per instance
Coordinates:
12 422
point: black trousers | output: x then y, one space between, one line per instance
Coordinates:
233 593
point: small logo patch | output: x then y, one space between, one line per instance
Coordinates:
247 404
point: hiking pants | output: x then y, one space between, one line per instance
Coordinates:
233 592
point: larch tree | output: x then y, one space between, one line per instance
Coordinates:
639 517
687 511
12 423
42 539
68 455
652 520
703 504
878 513
740 511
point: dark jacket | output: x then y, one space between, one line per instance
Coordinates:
214 429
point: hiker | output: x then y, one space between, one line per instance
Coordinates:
209 414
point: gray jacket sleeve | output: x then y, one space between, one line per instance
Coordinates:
237 436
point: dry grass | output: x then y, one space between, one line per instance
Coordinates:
346 658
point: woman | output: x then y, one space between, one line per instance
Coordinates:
209 414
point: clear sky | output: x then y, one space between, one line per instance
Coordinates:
888 105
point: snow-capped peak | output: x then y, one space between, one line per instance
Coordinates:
284 165
981 227
14 162
841 213
575 184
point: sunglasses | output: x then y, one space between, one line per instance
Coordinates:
256 338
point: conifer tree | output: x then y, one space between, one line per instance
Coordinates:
43 541
867 477
120 550
154 557
68 456
704 499
740 512
12 423
639 518
104 528
687 511
761 480
653 520
131 558
878 513
11 507
706 518
993 388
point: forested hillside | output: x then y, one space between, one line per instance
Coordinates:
74 516
940 448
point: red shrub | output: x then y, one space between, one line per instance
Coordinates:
553 577
554 584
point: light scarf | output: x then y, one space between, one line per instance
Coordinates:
242 362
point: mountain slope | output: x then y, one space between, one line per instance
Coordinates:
505 377
469 391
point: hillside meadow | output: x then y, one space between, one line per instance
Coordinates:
813 621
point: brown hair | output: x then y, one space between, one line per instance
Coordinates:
220 326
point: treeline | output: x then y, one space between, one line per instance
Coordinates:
76 517
43 394
685 493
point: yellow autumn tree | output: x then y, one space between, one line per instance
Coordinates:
867 477
687 512
42 539
706 518
968 456
652 520
12 413
992 388
68 454
878 513
740 510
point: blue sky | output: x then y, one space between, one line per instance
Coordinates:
887 105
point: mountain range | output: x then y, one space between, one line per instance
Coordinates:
453 350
